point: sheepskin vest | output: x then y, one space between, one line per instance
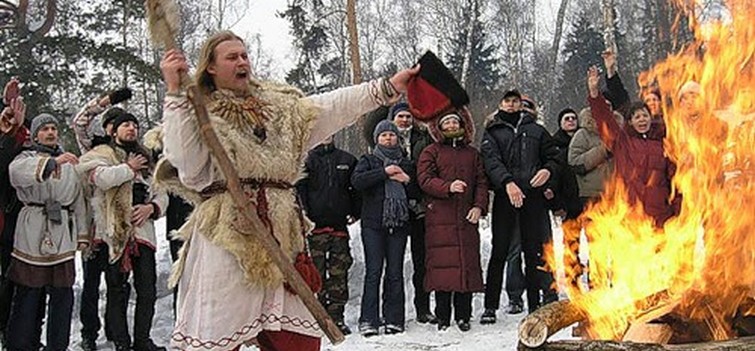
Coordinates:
288 120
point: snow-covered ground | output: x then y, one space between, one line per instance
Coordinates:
499 336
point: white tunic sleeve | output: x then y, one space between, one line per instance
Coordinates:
341 107
27 169
183 147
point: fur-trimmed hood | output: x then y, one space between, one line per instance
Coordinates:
466 122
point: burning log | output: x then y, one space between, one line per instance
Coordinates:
743 344
536 328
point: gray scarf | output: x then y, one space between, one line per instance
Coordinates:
395 203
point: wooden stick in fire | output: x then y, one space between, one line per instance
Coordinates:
742 344
536 328
163 19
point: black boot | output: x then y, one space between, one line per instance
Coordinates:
343 327
120 346
88 343
147 345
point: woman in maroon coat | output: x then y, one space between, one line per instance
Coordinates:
451 173
639 154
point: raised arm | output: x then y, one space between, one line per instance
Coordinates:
82 121
608 128
342 107
617 94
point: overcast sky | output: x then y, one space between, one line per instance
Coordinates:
261 18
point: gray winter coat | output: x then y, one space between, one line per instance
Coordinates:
589 158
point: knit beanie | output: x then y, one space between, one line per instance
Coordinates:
384 126
401 106
123 118
40 121
565 112
447 117
111 114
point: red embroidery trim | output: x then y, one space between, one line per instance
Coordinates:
243 332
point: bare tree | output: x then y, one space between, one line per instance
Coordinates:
351 20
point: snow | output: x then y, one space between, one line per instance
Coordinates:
499 336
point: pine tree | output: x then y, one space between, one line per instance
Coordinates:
582 49
313 72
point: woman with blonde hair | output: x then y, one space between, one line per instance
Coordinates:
229 292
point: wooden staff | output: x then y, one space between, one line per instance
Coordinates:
162 16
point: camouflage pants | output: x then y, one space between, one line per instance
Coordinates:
332 256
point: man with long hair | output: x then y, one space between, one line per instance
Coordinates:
230 292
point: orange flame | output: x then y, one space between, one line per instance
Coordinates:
704 259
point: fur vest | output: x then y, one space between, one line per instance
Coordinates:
288 120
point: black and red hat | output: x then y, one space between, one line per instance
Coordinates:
434 91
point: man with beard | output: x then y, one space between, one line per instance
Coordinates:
519 157
92 126
50 226
125 208
413 140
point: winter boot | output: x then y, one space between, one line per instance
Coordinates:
88 343
463 325
147 345
343 327
488 317
367 330
426 317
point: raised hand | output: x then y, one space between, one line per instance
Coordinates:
400 80
13 115
11 92
609 59
172 66
593 81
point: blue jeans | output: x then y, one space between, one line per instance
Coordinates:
382 246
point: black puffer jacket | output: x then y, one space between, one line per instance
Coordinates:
515 151
565 187
326 193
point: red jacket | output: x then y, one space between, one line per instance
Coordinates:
452 243
640 162
10 146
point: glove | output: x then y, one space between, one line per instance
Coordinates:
119 95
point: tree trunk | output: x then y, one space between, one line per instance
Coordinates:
468 43
609 25
743 344
351 22
559 33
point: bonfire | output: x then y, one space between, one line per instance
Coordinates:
691 285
